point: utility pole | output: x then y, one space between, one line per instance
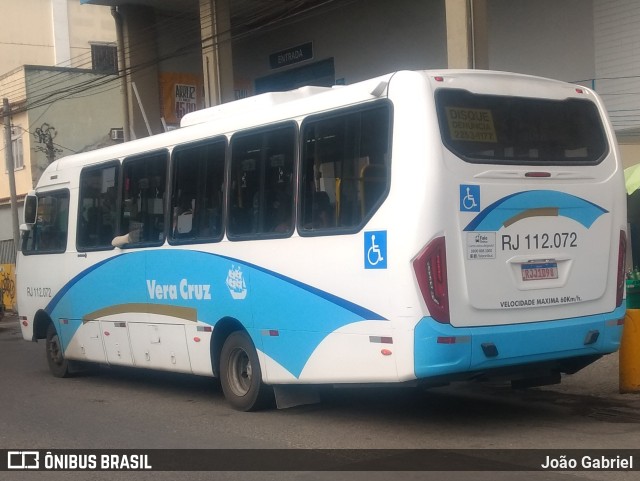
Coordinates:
8 153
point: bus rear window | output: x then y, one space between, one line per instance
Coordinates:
495 129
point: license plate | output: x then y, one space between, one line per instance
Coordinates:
539 271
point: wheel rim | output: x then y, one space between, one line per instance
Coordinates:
240 372
55 353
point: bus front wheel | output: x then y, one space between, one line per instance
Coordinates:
240 374
58 365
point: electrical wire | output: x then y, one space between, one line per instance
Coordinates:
258 19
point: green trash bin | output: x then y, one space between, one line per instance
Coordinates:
633 293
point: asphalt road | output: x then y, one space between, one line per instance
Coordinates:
135 409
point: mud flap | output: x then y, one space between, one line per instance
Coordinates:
289 395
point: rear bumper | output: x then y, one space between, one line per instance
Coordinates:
441 349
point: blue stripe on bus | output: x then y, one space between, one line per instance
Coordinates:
303 314
62 292
515 343
350 306
494 217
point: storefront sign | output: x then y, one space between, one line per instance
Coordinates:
185 99
181 94
291 55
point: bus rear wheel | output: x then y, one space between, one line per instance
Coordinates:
240 374
58 365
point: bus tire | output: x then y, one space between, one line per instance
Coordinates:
58 365
240 374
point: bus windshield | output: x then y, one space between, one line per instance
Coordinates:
516 130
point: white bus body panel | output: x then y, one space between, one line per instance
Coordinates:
384 310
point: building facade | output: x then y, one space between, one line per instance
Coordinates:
58 70
55 56
52 32
227 49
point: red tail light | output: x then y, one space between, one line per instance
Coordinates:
622 252
430 267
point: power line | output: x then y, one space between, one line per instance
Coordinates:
48 80
262 17
173 26
26 44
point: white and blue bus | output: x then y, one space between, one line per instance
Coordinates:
416 228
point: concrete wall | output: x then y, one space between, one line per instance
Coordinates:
22 175
630 154
365 39
28 37
142 53
82 120
546 37
13 86
88 24
178 38
617 56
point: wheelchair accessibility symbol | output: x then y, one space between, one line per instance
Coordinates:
375 250
469 198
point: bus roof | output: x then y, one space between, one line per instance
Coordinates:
225 118
277 106
262 101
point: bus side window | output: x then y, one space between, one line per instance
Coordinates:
261 186
196 201
49 233
345 169
142 215
97 212
374 182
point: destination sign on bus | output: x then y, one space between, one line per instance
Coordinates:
473 125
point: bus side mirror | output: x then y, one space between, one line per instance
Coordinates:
30 210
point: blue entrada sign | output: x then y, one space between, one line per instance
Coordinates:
292 55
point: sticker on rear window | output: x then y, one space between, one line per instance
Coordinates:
471 125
